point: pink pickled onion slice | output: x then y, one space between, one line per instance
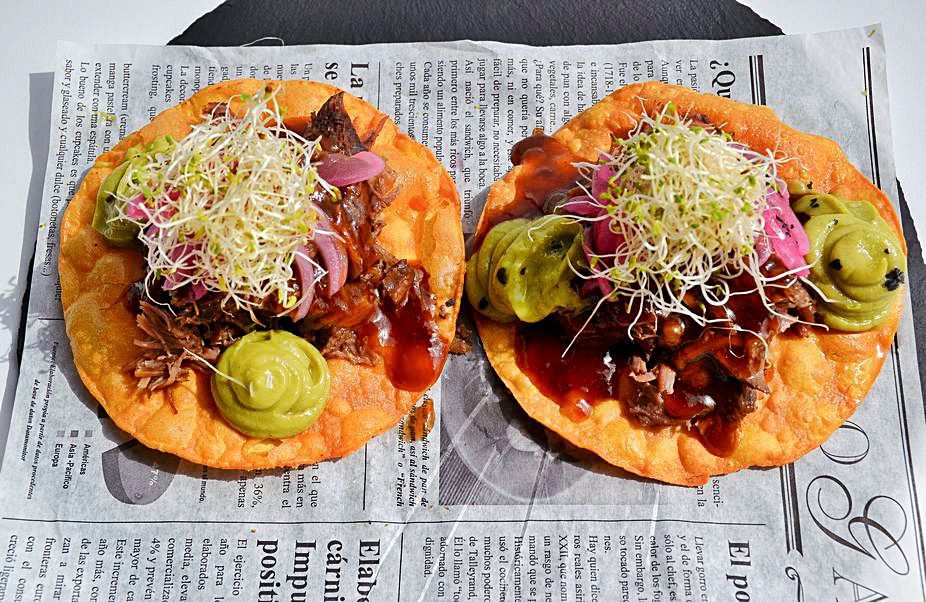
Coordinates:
197 291
133 208
601 179
583 205
335 258
136 209
182 254
343 170
332 251
763 248
604 240
784 230
604 286
305 275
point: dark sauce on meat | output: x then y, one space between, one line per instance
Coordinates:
403 329
546 168
592 372
668 371
413 350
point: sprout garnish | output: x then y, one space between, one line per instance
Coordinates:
686 207
228 207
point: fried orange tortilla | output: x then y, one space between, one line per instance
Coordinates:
422 224
816 382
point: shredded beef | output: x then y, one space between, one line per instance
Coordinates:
334 126
164 348
399 280
717 369
615 323
344 343
648 407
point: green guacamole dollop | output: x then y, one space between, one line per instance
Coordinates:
856 260
113 190
283 384
524 269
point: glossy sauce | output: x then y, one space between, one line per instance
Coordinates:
547 167
406 336
720 437
408 342
584 377
592 372
419 422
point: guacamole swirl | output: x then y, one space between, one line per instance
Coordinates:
856 260
113 190
524 269
282 384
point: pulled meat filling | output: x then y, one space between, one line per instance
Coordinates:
681 370
179 329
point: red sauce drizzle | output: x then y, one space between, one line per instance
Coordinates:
406 336
578 381
413 349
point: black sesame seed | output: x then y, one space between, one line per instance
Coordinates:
483 303
893 279
502 275
836 264
450 302
814 203
556 246
887 251
810 184
522 271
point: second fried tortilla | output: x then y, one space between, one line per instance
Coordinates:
814 382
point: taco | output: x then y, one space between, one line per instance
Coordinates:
267 274
684 285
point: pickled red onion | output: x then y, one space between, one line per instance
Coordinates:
583 205
305 275
182 254
344 170
197 291
601 180
785 233
332 251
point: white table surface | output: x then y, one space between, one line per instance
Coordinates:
30 30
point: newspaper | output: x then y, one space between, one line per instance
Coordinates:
482 505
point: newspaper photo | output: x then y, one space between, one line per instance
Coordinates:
467 498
